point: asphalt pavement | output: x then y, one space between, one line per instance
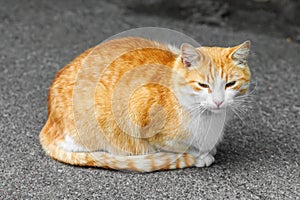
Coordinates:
258 159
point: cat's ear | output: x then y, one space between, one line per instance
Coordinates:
190 56
239 54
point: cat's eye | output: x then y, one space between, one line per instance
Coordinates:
203 85
230 84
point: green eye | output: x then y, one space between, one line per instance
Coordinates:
230 84
203 85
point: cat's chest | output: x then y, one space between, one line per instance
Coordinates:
205 130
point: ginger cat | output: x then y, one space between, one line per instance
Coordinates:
135 104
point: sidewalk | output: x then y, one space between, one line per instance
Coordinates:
259 159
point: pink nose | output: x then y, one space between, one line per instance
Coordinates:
218 103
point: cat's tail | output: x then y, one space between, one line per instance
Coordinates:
139 163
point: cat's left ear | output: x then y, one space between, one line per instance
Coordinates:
239 54
190 55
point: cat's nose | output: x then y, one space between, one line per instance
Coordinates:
218 103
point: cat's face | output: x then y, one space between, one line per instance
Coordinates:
215 75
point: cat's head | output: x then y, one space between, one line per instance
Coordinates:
214 76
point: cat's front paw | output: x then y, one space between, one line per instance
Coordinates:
213 152
204 160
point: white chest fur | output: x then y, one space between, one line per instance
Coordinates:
206 130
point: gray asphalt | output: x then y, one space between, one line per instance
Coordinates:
258 159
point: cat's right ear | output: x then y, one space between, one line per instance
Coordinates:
190 56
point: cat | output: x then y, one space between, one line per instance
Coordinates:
136 104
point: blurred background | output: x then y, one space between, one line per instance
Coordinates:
272 17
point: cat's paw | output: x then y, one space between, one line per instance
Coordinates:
213 152
205 160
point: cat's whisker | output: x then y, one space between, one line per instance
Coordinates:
242 107
235 111
196 112
243 100
199 108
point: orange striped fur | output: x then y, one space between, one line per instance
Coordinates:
125 104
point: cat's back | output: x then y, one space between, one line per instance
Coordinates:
110 49
99 55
